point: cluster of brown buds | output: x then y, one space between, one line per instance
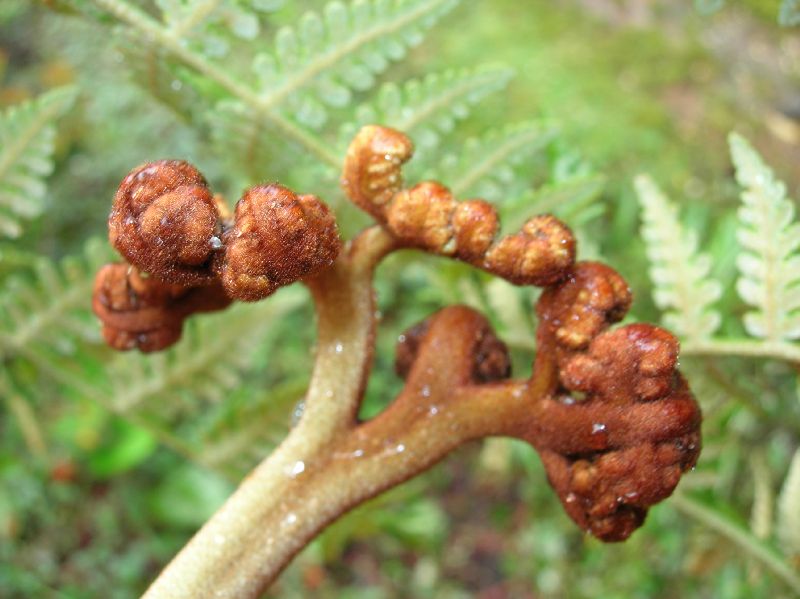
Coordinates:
611 417
186 253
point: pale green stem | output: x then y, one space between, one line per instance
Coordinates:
756 548
294 492
780 350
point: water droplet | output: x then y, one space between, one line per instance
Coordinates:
294 469
297 413
291 518
400 448
433 410
216 242
598 427
358 453
176 85
631 495
570 498
338 348
426 391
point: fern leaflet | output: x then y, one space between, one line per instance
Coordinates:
53 308
203 366
679 273
26 147
769 266
484 166
426 108
328 55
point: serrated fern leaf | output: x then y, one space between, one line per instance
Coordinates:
326 56
483 167
53 308
769 265
203 366
211 25
427 108
680 274
26 147
789 509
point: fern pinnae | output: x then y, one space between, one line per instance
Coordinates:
769 264
680 275
491 156
152 33
26 146
197 367
183 17
428 107
54 305
349 44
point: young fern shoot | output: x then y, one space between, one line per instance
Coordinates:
613 420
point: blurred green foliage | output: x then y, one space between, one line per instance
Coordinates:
109 462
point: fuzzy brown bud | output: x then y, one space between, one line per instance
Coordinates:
278 238
165 222
641 426
144 313
427 216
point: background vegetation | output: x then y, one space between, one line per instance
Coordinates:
109 462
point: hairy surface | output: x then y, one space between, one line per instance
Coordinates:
613 420
427 216
144 313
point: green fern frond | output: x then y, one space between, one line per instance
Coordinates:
483 167
769 266
53 308
26 147
246 428
679 273
203 366
326 57
429 107
209 22
160 77
789 509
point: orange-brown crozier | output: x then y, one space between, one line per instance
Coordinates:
166 223
186 254
634 402
277 238
611 417
144 313
427 216
609 454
